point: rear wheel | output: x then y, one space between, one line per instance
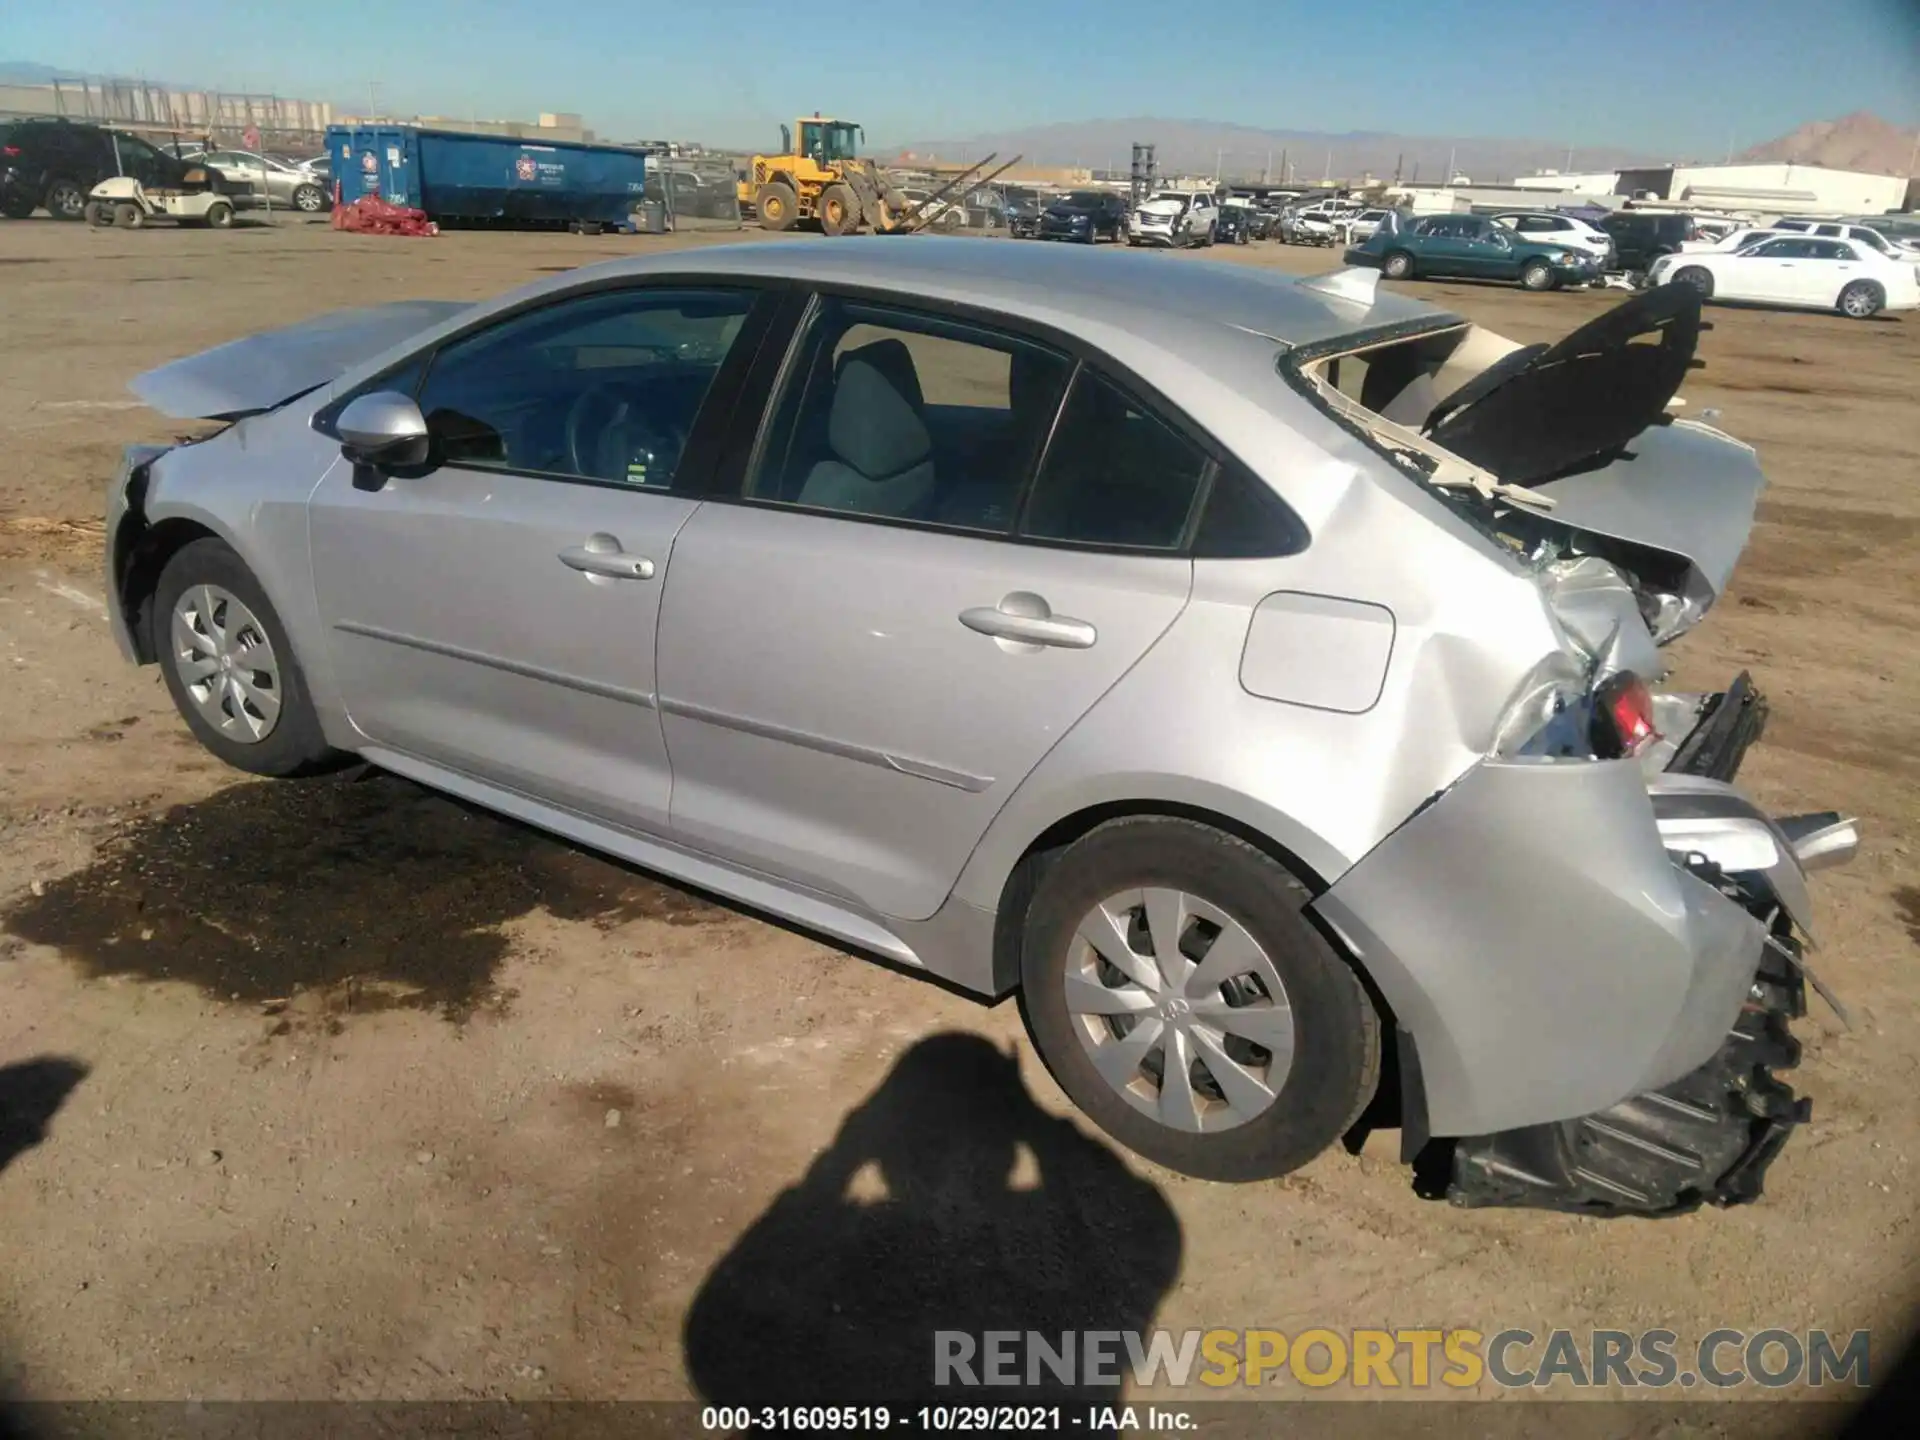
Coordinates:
777 205
219 215
1697 276
839 210
230 666
66 200
1862 300
1537 275
18 208
1398 265
1183 1001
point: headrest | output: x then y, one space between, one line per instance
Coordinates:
892 359
872 427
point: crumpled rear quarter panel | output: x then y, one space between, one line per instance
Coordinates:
1545 953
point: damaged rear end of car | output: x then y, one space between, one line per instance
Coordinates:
1592 941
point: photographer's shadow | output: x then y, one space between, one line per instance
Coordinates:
948 1201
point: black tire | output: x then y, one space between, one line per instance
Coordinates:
1698 277
19 208
219 216
98 215
129 216
1398 265
309 199
1537 275
295 745
1862 300
66 200
778 205
1335 1065
839 210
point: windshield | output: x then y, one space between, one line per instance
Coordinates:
1170 197
1084 199
828 139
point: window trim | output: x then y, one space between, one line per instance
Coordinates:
780 352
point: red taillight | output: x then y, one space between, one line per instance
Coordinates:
9 150
1623 720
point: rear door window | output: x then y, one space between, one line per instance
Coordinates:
895 414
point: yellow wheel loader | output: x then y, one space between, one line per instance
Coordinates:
825 179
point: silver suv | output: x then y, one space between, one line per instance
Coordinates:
1256 676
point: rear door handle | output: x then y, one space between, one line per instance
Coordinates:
1027 619
597 557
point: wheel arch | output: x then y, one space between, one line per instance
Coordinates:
1014 854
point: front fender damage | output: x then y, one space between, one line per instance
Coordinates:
1594 1012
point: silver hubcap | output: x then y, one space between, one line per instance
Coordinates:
1180 1009
226 663
1858 302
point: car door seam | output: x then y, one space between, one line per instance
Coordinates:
645 699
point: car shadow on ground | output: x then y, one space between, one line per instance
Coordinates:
374 891
948 1202
31 1092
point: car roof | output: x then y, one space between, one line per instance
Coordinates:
1060 286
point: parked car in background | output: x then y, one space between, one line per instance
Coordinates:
275 182
1472 247
1023 212
1362 225
1732 241
1801 272
55 164
1174 218
1547 227
1859 233
1492 846
1088 216
944 215
1641 237
1317 222
1233 224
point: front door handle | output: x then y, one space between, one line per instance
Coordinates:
1025 618
606 558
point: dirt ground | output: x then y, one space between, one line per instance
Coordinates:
350 1092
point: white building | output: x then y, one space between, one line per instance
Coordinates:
1782 189
1591 182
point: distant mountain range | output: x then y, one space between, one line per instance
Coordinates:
1247 153
1861 141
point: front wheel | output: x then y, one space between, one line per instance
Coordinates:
309 199
777 205
1537 275
98 215
839 210
1862 300
1698 277
129 216
230 666
1181 998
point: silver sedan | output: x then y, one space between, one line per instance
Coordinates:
287 187
1260 678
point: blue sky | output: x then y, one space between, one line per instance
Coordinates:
1666 76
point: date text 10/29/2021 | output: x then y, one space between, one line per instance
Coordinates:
950 1419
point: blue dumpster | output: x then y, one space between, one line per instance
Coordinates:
461 179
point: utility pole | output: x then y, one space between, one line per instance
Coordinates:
1218 155
1266 175
373 99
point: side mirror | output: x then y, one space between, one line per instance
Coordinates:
383 427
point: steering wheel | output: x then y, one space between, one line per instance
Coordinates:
605 429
